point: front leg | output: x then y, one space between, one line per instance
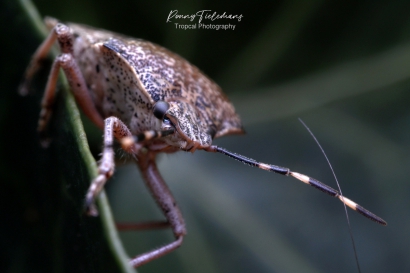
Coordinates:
163 197
113 128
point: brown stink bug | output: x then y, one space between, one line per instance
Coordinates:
151 101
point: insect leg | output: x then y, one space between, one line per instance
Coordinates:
128 142
152 178
74 76
156 253
142 226
304 178
113 128
163 196
35 63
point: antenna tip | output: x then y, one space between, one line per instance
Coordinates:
370 215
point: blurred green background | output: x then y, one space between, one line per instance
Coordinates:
341 66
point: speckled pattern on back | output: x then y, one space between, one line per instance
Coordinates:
126 76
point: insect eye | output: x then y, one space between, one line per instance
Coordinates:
166 121
159 110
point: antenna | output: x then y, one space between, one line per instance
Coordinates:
340 190
304 178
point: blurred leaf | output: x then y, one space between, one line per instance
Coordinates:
270 44
48 209
376 73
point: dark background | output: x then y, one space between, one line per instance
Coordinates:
341 66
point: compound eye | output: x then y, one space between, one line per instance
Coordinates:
167 121
160 108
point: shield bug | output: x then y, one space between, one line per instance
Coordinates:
151 101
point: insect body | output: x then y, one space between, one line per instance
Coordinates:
151 100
